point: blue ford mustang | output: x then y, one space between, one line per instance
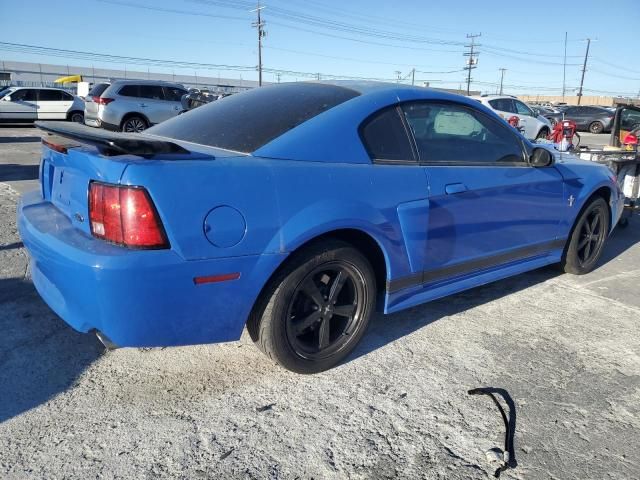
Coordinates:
298 210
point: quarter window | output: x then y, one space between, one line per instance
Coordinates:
385 137
450 133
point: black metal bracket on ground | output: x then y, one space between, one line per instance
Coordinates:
508 454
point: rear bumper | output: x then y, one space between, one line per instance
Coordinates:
135 297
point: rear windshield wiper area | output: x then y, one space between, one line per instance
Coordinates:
113 143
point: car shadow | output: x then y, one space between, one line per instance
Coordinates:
10 172
385 329
40 355
621 240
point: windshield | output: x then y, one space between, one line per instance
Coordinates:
246 121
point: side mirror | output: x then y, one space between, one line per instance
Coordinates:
541 157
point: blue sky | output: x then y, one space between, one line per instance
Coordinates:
359 38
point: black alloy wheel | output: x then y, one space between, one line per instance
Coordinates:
586 243
592 236
316 308
325 309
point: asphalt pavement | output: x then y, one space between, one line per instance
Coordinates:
566 348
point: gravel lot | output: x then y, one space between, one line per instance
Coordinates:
566 348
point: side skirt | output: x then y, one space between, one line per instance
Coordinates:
418 294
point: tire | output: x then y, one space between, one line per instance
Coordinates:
596 127
543 133
134 124
587 238
327 284
76 117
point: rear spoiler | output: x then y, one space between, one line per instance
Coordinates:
112 143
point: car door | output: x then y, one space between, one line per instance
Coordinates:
154 105
528 121
487 206
576 114
20 105
53 104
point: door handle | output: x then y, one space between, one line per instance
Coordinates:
454 188
143 105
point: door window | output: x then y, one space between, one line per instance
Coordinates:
67 97
450 133
130 91
385 137
522 109
25 95
153 92
503 105
50 96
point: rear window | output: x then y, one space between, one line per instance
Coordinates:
97 89
246 121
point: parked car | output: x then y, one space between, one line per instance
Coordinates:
28 104
300 209
533 126
592 119
132 105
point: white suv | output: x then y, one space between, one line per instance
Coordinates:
533 126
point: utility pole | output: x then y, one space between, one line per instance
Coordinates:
398 75
471 63
261 33
584 69
413 77
502 70
564 68
278 75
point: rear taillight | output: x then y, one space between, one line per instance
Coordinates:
102 100
630 139
125 215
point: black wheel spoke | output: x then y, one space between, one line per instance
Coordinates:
594 223
323 333
583 242
336 287
301 325
346 311
587 252
313 292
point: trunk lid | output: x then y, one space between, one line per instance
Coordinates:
65 179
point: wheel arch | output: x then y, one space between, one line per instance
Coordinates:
362 241
128 115
603 192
